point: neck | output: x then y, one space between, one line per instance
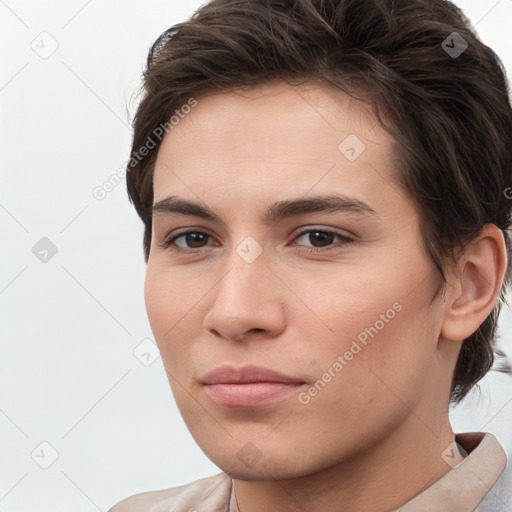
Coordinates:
381 479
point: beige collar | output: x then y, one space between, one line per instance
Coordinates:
465 486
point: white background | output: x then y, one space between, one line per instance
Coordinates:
68 375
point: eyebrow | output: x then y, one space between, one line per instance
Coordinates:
277 210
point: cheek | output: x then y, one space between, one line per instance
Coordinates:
387 359
351 303
157 302
175 302
375 384
377 334
169 304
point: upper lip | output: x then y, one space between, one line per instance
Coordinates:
227 374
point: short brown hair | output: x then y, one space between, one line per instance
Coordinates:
447 105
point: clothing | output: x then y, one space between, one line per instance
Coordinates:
477 484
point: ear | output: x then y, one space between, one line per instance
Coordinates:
477 280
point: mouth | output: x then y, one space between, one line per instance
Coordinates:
249 386
250 394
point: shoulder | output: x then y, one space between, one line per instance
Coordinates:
209 493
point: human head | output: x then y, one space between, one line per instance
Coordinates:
450 115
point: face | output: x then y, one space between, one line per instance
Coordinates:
333 294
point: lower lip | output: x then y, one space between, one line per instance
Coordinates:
251 394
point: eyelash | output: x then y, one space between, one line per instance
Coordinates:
345 240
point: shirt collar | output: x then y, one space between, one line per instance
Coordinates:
464 486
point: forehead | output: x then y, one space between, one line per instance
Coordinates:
274 139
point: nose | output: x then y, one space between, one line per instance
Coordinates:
249 298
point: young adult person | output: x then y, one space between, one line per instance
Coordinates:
323 185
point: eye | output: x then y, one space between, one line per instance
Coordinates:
190 240
322 239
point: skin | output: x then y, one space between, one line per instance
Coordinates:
373 437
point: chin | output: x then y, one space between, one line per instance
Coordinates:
249 463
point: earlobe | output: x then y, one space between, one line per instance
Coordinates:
479 277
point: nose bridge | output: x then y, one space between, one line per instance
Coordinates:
244 298
247 271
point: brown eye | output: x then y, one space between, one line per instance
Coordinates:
188 240
320 238
194 240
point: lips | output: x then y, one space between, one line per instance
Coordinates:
231 375
249 386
